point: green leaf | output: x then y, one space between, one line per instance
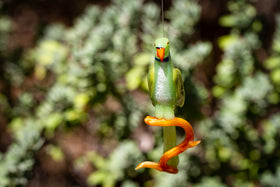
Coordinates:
227 21
134 77
272 62
275 76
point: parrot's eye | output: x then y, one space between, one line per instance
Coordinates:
167 42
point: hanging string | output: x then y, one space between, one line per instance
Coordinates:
162 17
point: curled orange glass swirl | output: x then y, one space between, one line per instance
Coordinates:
184 145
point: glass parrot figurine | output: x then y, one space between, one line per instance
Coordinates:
167 91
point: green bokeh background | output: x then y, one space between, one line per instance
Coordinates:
73 92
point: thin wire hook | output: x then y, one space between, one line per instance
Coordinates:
162 18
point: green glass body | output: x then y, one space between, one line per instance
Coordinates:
164 100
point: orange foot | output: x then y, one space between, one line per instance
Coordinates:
187 143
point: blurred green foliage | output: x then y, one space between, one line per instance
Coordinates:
96 71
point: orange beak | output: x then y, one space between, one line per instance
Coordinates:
160 53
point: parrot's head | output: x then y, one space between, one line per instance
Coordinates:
161 49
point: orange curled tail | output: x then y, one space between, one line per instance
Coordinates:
183 146
154 165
